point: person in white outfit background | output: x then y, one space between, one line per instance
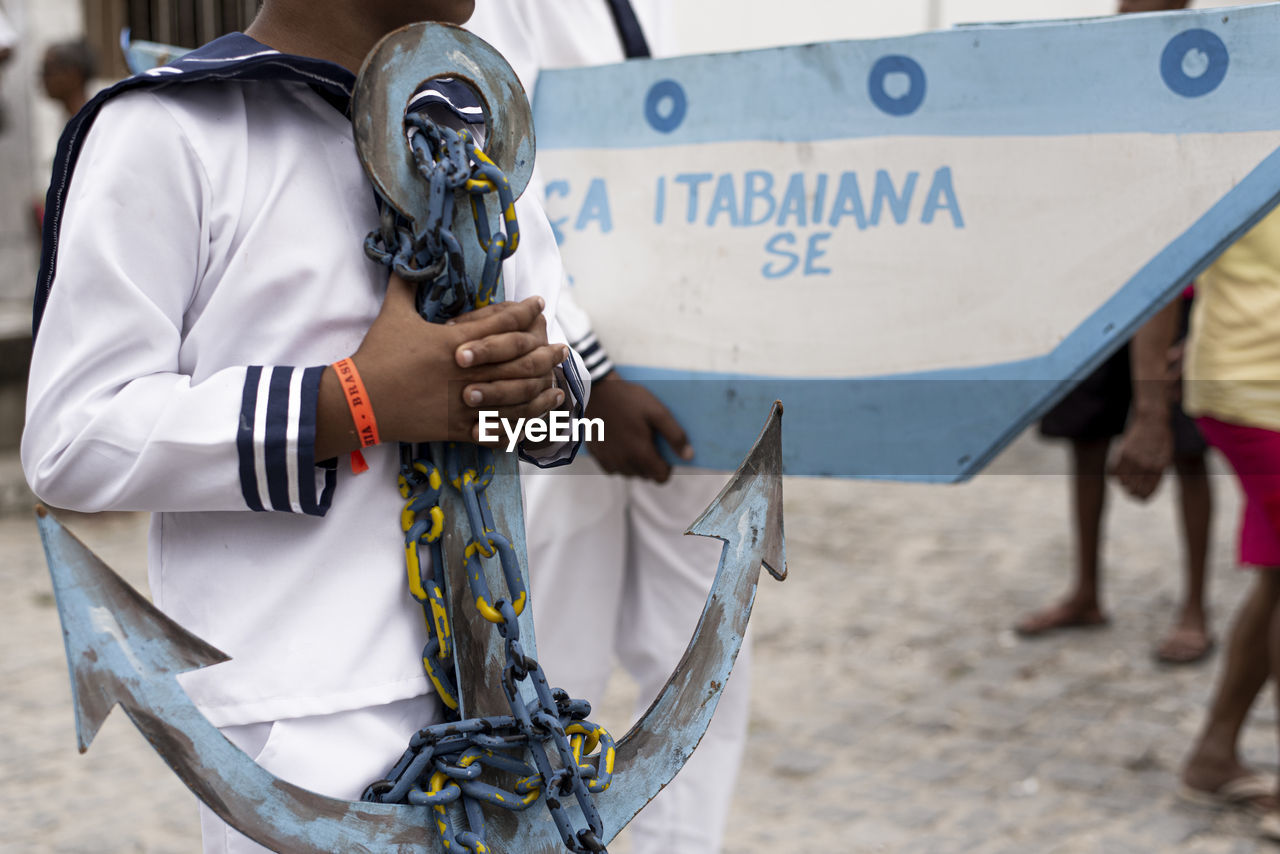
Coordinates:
613 577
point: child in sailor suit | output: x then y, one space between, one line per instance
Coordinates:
204 263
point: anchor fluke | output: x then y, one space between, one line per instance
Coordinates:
747 516
121 649
96 606
758 479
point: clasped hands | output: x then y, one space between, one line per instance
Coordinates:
428 382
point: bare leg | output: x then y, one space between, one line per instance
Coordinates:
1189 639
1251 648
1081 607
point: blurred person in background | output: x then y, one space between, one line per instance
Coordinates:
8 44
1232 385
1120 399
8 38
65 73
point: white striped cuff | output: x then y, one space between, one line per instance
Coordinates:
576 396
594 357
276 442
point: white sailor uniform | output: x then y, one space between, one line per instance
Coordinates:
202 267
608 559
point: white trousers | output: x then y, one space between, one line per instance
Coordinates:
614 577
336 755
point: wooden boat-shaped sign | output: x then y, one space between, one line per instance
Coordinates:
917 244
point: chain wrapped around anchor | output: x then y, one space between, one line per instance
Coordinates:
567 754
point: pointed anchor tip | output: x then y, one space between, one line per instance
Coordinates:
767 457
756 484
115 639
747 516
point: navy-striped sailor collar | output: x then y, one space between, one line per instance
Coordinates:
233 57
237 56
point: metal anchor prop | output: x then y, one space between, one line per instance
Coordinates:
120 649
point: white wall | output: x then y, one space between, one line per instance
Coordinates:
717 25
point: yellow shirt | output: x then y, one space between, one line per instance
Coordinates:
1232 369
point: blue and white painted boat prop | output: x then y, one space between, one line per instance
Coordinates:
917 243
141 56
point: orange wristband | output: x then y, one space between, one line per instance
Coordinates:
361 411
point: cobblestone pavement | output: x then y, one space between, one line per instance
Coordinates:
893 710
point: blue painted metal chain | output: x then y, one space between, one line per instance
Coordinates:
444 763
449 162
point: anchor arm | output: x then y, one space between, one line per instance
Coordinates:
747 515
121 649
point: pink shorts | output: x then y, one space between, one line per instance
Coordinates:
1254 453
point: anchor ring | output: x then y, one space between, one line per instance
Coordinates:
395 71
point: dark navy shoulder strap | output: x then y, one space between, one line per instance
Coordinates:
634 44
234 57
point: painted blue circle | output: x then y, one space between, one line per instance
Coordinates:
667 93
1197 46
906 103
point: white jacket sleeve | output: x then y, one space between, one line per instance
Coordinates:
114 421
505 25
573 320
536 269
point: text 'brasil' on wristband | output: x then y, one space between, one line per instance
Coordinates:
361 410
